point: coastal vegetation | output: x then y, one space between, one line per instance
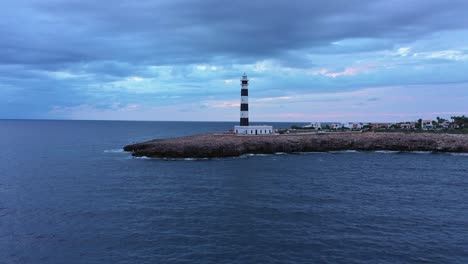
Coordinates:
457 125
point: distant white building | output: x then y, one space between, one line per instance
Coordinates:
245 128
380 125
445 124
427 124
316 126
408 126
353 126
454 125
335 126
253 130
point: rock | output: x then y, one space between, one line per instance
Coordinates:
225 145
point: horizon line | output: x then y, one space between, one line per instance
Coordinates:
196 121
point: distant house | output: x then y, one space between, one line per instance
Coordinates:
316 126
335 126
408 126
427 125
445 124
454 126
353 126
380 125
405 126
357 126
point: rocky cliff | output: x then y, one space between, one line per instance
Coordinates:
213 145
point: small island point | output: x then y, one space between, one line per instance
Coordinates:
220 145
253 139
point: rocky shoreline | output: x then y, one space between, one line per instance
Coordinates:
225 145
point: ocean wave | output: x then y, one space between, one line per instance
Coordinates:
344 151
253 155
198 159
421 152
387 151
310 152
185 159
295 153
114 151
143 157
458 154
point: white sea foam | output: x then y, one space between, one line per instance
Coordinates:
185 159
458 154
422 152
387 151
191 159
253 155
114 151
143 157
344 151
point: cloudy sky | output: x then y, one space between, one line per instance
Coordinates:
334 60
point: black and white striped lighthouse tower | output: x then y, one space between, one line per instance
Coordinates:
244 107
245 128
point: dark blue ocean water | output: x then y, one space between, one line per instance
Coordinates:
67 195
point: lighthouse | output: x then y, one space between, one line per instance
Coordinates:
244 107
244 127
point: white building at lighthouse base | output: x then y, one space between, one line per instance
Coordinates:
253 130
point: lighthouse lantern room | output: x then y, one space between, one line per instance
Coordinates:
245 128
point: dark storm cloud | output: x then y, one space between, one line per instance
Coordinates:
67 53
180 32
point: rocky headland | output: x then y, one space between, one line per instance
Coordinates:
227 145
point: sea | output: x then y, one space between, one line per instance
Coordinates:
69 194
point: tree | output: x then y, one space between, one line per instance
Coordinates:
440 120
461 121
419 124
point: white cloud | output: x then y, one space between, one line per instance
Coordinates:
272 99
379 104
455 55
63 75
135 79
262 66
403 51
207 67
201 67
348 71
